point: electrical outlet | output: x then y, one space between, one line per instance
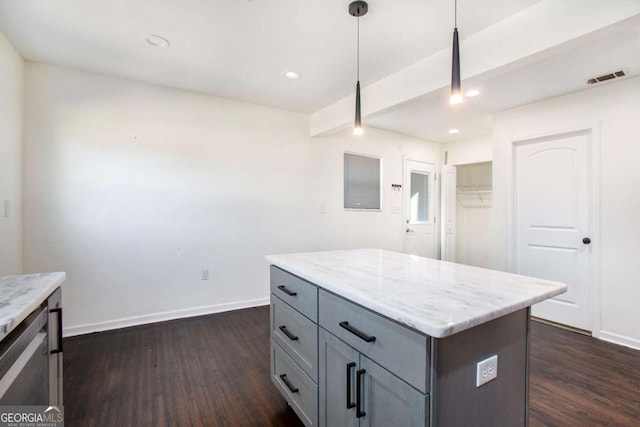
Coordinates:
205 274
487 370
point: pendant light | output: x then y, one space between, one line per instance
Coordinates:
456 89
358 9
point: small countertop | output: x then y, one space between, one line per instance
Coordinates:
435 297
20 295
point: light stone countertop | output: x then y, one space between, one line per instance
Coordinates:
435 297
21 294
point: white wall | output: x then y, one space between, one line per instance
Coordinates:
11 123
615 107
132 189
469 151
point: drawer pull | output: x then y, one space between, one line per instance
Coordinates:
287 333
359 412
350 366
286 382
284 289
357 332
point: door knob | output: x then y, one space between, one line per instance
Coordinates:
410 230
586 240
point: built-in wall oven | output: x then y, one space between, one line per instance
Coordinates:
31 358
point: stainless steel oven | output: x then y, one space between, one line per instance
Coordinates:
31 358
24 362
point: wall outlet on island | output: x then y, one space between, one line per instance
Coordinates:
487 370
204 275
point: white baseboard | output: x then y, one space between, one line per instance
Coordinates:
161 317
619 339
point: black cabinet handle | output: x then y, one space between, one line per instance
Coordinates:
350 366
287 333
357 332
359 412
58 311
284 289
286 382
586 240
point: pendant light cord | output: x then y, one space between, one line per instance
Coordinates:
455 14
358 50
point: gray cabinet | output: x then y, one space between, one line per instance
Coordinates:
399 349
294 343
338 365
356 391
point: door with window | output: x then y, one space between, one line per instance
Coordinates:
419 209
553 240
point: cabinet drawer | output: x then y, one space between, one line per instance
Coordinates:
298 293
299 390
402 351
296 334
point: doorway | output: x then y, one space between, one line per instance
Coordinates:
467 196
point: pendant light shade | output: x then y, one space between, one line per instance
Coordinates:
358 9
357 125
456 88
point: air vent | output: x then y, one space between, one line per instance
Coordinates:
606 77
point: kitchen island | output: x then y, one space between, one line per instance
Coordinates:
379 338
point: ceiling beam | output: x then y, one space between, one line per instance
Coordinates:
529 33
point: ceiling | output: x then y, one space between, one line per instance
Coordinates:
239 49
562 70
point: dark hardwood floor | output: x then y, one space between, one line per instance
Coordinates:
577 380
214 371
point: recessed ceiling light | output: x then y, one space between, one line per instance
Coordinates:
453 131
291 75
157 41
471 93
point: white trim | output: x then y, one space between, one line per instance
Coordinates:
144 319
594 222
619 339
594 131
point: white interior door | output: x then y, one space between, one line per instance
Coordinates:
419 208
552 219
448 216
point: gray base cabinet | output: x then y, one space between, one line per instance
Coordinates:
339 364
355 391
294 343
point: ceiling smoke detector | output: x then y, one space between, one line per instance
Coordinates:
605 77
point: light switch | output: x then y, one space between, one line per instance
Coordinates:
7 208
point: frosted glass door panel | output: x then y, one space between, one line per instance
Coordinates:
419 197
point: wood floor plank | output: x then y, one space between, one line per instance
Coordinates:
214 371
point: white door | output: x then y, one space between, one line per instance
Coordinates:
448 216
552 222
419 208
